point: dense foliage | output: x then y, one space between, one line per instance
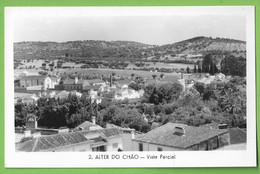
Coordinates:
220 102
234 66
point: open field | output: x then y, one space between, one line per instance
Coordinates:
98 71
38 64
102 71
124 73
170 65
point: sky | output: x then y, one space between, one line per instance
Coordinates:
154 30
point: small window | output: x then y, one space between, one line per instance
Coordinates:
159 149
140 147
99 149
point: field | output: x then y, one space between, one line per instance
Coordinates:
122 73
170 65
38 64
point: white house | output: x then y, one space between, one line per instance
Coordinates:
50 82
37 80
220 77
126 93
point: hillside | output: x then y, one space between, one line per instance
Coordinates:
204 45
89 48
127 49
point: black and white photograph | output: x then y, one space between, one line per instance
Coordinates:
140 83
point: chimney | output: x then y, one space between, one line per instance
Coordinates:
110 81
31 123
76 80
36 134
222 126
179 131
133 133
27 133
93 120
63 130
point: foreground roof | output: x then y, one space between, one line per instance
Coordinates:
164 135
237 136
64 139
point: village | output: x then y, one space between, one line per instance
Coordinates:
97 133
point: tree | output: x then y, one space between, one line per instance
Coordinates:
212 71
135 86
154 76
199 70
162 76
133 75
43 73
165 93
207 61
200 87
125 117
208 93
188 70
43 65
169 92
195 68
231 65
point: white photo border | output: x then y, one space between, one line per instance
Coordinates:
235 158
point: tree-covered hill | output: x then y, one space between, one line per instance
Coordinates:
96 49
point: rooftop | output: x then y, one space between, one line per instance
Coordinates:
31 77
89 87
164 135
237 135
72 82
86 126
95 81
64 139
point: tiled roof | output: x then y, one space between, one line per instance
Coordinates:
164 135
69 82
51 141
170 79
94 87
86 125
80 82
31 77
36 88
124 82
72 82
237 136
109 132
63 139
95 81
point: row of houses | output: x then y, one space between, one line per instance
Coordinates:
91 137
95 88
